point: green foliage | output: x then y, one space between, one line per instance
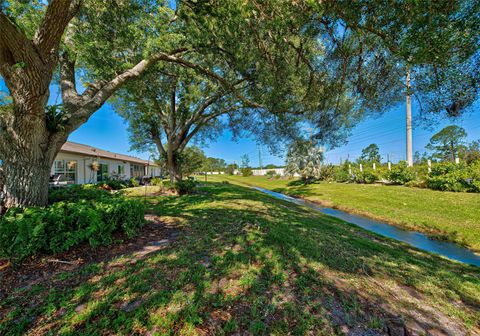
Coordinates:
230 169
368 176
113 183
447 143
245 161
400 173
370 154
304 157
212 164
327 173
471 153
66 224
342 173
449 176
270 173
246 171
185 186
134 182
191 160
77 192
156 181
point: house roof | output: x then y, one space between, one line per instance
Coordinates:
73 147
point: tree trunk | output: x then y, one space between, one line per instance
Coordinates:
173 167
27 153
24 183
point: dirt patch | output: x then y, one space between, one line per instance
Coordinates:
154 235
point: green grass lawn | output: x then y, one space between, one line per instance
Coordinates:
446 215
246 262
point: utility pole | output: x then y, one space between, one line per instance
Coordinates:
260 157
409 121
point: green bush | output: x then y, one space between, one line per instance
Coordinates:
366 177
342 175
400 173
185 186
65 224
449 176
77 192
156 181
327 173
114 183
134 182
270 173
246 172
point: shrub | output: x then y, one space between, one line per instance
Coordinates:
341 175
156 181
400 173
247 172
114 183
367 177
77 192
134 182
185 186
65 224
449 176
327 173
270 173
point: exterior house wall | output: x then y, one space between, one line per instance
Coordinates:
84 174
153 171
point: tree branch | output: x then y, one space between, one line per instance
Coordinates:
68 87
13 46
225 83
59 13
186 138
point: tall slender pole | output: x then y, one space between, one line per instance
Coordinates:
260 157
409 122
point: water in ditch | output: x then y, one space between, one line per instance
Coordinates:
416 239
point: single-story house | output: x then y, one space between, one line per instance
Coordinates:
80 164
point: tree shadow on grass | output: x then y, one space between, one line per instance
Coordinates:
247 262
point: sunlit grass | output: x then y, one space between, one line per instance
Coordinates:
446 215
245 262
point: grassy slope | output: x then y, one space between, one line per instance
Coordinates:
245 261
451 216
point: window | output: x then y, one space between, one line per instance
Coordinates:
102 172
121 170
137 170
66 168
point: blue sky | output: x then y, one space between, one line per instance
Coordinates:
106 130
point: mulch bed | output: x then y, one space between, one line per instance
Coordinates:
45 267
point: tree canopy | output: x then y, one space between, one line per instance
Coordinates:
304 157
447 143
370 154
322 62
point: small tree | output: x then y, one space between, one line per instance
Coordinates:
246 170
370 154
212 164
191 160
447 143
230 169
304 158
471 153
